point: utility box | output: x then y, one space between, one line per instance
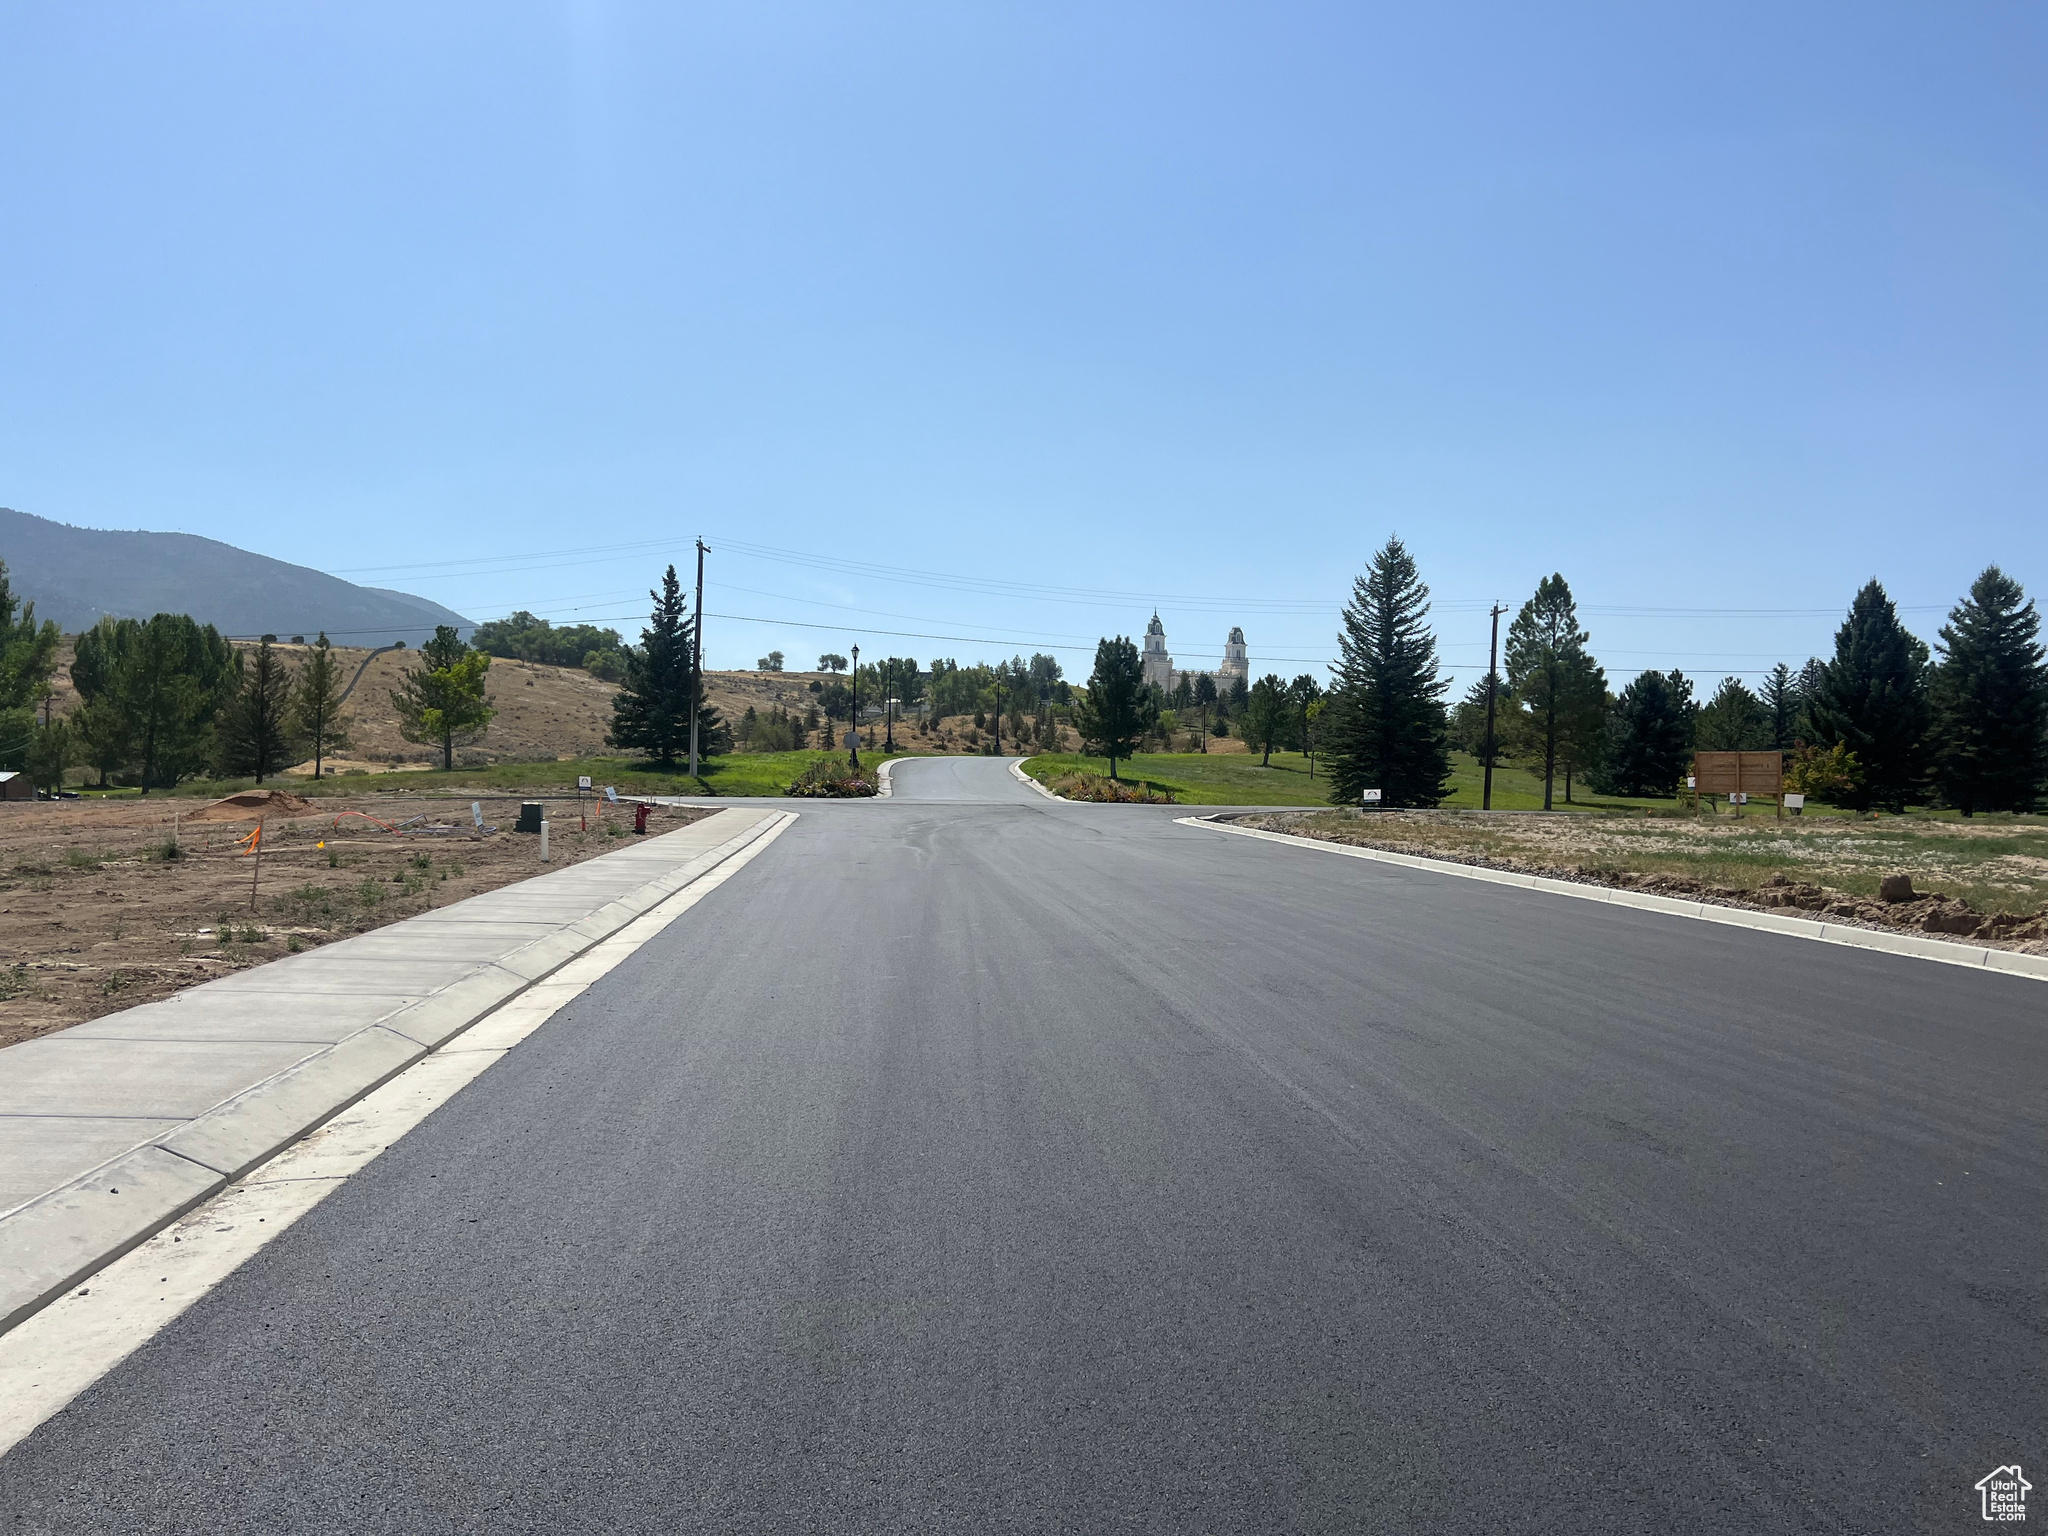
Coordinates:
529 818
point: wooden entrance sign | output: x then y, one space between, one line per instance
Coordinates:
1736 774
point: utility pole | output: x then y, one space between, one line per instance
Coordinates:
697 662
999 709
1492 649
854 735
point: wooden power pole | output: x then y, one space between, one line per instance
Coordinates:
697 662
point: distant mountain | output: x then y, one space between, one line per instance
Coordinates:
78 576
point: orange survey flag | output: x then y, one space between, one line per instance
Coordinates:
249 844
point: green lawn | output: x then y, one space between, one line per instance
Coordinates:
1235 778
742 773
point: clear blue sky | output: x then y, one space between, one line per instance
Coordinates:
1710 308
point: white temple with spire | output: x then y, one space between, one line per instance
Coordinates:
1160 672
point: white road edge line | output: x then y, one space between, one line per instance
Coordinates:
2001 962
52 1356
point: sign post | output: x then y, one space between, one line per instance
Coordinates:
1370 799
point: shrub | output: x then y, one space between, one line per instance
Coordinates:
1830 774
1105 790
830 779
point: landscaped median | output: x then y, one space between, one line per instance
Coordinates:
1985 880
112 1129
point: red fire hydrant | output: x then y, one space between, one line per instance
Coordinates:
640 817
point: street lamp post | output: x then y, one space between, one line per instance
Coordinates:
854 760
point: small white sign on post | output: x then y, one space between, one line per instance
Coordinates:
1369 797
1795 802
582 782
611 794
476 813
1691 782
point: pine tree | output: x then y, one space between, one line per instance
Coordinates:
1385 726
1990 697
316 705
255 727
443 699
1733 720
651 711
1812 679
1548 669
1119 710
1782 707
1649 736
1873 700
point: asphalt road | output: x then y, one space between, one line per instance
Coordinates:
1021 1166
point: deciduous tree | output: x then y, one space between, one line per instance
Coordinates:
443 701
1266 716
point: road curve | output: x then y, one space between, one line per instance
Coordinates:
959 780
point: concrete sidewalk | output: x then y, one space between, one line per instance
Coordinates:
111 1129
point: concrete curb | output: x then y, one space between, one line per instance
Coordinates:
1975 957
62 1237
1017 772
883 788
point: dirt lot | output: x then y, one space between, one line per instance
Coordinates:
98 917
1985 879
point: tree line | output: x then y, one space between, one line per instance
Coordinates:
166 699
1882 723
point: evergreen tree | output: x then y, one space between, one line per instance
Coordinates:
1384 727
1549 670
52 749
1205 702
102 724
1812 678
316 705
1990 696
256 733
1782 707
28 650
1649 736
1266 716
1873 700
1119 711
651 712
174 677
443 701
1733 720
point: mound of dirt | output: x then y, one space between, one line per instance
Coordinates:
251 804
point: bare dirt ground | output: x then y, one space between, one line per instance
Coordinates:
1985 880
97 918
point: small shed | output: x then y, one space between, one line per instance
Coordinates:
16 786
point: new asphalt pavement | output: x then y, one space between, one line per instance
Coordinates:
972 1162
